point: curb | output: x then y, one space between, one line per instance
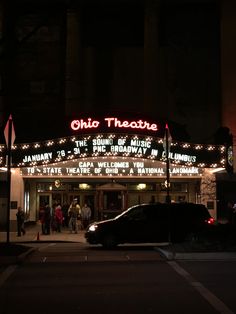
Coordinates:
167 254
198 256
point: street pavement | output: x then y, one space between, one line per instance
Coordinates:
34 235
116 283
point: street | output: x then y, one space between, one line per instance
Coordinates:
76 278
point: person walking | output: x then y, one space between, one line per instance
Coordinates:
85 215
58 216
73 213
53 223
20 215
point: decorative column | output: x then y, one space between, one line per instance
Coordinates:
17 196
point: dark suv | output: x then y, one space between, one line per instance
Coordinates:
150 223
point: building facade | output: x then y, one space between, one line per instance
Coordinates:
168 61
112 170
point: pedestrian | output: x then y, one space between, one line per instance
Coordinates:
58 217
85 215
73 213
42 218
53 219
47 219
64 209
20 215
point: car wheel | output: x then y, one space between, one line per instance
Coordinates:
109 242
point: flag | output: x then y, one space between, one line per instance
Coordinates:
167 139
7 130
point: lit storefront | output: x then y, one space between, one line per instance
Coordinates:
112 170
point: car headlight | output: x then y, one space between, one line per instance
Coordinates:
93 227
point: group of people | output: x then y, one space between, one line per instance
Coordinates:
52 219
78 216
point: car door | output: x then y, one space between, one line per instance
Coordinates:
133 226
157 223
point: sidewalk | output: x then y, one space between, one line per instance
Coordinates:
34 234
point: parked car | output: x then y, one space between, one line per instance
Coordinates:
150 223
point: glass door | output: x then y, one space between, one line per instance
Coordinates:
43 199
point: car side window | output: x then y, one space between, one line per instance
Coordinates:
155 212
137 214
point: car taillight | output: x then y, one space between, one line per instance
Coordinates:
210 221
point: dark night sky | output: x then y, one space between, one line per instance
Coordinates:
189 58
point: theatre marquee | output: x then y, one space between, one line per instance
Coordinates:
114 145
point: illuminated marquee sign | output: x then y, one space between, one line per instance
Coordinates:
114 145
119 167
113 123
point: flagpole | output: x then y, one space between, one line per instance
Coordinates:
168 200
9 177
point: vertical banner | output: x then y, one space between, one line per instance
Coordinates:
9 134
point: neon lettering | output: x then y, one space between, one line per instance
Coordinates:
81 124
113 123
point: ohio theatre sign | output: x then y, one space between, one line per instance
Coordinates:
90 142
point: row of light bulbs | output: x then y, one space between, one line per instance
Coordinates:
62 141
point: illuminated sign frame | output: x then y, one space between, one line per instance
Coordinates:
118 167
114 145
